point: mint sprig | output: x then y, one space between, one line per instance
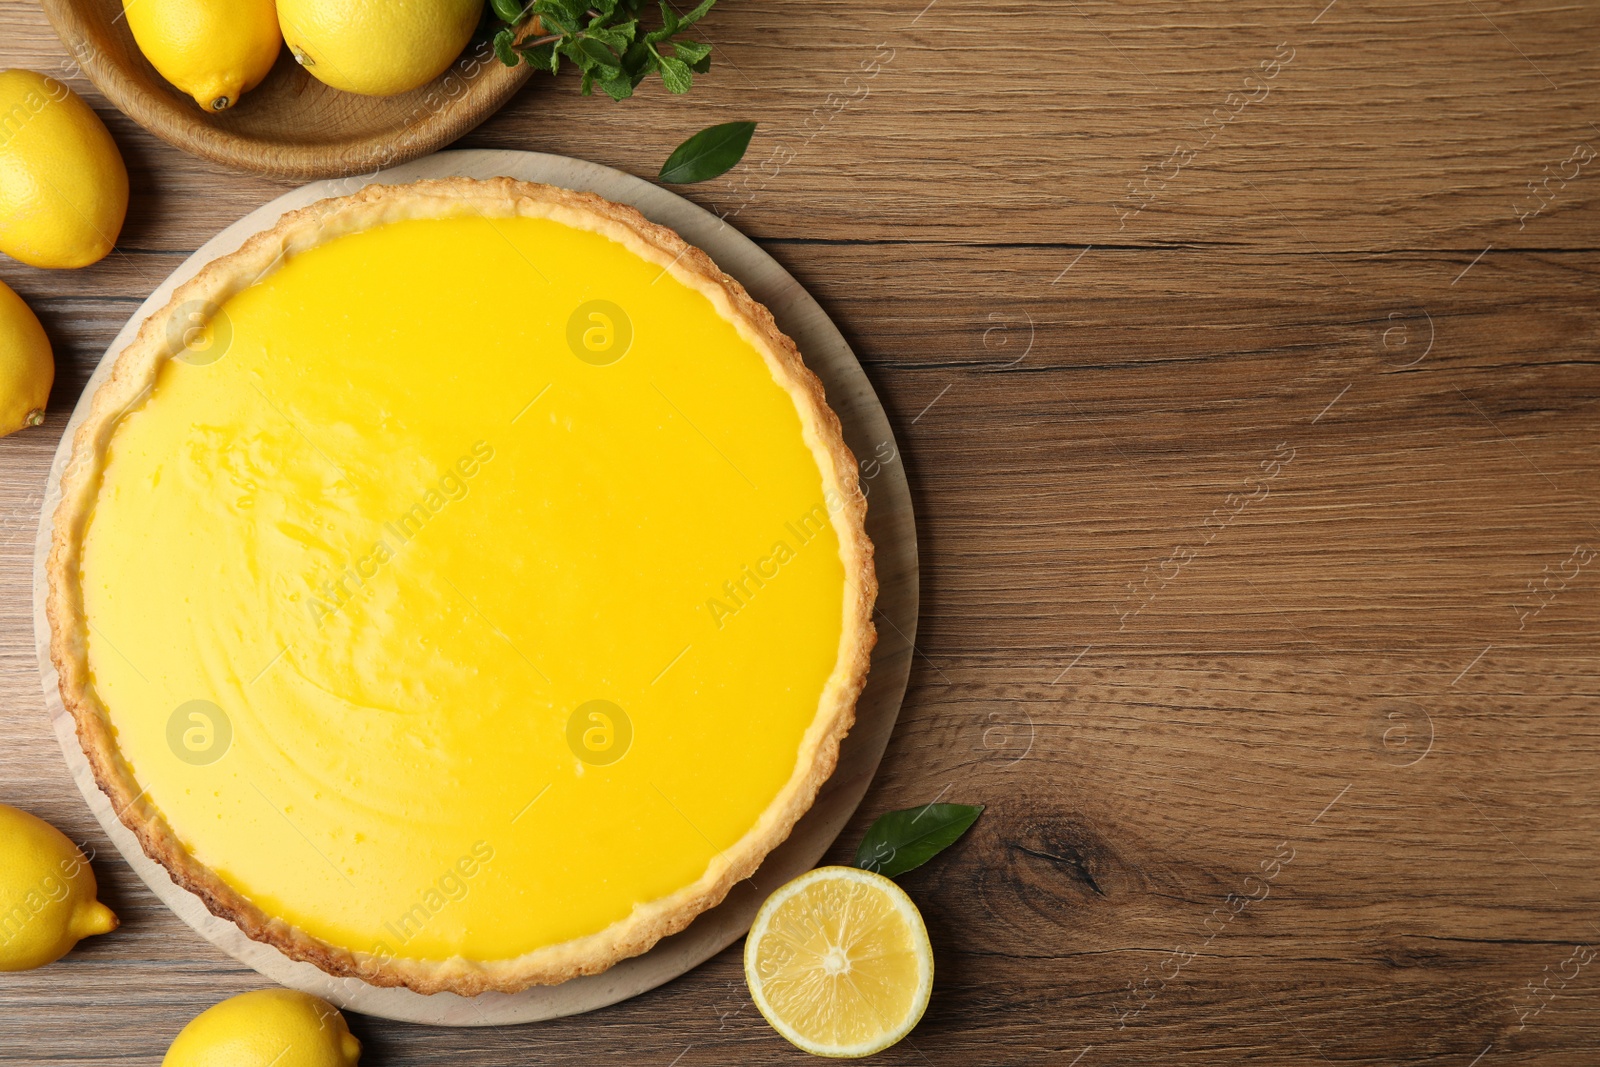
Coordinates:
606 40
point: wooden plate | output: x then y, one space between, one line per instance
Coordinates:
291 125
889 523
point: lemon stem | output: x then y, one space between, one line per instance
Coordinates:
94 918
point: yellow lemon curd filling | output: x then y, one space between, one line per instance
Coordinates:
469 583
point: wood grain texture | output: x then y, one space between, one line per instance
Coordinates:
1339 274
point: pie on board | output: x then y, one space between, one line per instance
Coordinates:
461 586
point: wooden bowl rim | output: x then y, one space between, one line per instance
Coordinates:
185 129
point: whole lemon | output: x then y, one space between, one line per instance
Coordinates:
267 1028
26 366
47 893
377 47
214 50
63 187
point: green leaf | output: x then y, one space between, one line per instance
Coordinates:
902 841
509 11
608 43
542 57
669 25
691 52
502 47
568 46
697 14
616 38
557 20
638 61
598 52
581 61
675 73
618 88
714 150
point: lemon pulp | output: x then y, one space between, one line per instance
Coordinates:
838 961
443 614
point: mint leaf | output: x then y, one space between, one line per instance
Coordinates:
638 61
568 47
542 57
502 47
902 841
616 38
697 14
691 52
618 88
598 52
557 23
570 10
605 39
714 150
669 25
675 74
509 11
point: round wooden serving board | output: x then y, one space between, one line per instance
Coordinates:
291 125
889 522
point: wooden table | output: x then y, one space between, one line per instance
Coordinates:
1244 363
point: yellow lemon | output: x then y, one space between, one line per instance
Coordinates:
267 1028
26 367
47 893
214 50
63 187
377 47
839 962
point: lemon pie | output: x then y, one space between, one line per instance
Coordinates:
461 586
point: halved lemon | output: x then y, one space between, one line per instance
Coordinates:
839 962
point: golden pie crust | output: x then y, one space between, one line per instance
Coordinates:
132 377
